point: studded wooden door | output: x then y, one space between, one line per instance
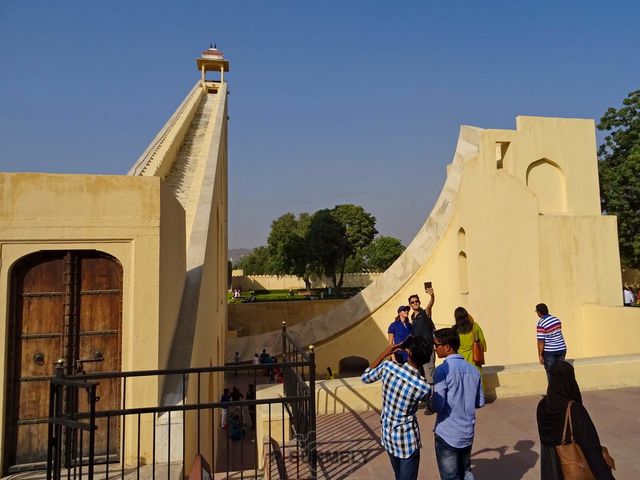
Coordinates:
64 305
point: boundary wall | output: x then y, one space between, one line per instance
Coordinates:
285 282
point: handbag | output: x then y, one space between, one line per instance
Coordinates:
478 352
573 464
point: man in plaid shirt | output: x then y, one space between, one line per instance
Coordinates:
403 386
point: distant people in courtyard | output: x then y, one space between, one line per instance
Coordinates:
469 332
423 326
629 298
564 397
457 392
236 428
403 387
236 363
265 359
398 331
251 395
225 398
551 345
236 396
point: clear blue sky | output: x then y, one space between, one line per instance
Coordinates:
331 102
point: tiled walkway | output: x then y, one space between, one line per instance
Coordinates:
506 445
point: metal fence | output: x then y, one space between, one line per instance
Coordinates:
172 438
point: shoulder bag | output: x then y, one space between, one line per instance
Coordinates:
478 352
573 464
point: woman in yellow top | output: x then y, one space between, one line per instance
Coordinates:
468 331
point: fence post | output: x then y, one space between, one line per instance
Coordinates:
313 458
55 429
92 432
284 341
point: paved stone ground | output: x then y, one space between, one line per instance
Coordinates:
506 444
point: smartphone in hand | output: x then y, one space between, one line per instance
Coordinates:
427 285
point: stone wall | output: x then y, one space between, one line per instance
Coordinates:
285 282
254 318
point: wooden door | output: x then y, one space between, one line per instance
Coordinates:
64 305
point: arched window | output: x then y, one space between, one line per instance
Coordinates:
547 181
462 239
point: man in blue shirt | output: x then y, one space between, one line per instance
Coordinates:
457 393
403 387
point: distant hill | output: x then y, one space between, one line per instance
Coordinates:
235 254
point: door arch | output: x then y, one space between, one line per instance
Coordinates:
64 304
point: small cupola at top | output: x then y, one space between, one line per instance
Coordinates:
212 60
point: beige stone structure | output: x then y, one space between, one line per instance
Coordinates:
517 223
130 271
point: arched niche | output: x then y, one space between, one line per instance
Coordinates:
462 239
546 179
463 275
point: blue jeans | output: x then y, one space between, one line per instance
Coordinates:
549 358
406 468
453 463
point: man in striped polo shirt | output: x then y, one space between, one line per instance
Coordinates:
551 346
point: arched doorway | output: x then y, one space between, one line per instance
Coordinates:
64 305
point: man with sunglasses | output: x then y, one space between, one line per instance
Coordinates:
457 392
423 326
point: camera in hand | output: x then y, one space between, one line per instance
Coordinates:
427 285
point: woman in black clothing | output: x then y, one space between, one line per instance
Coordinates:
551 412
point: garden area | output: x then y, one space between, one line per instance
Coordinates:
291 295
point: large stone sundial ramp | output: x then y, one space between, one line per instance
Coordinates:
517 223
190 155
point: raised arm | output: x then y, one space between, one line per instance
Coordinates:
432 300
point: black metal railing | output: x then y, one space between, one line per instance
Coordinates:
160 440
303 415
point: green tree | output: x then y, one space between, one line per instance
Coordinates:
359 230
288 247
619 168
381 253
256 263
327 242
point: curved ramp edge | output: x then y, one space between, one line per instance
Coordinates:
364 304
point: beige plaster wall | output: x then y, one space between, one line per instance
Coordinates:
121 216
256 318
522 206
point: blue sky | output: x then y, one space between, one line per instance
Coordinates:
331 102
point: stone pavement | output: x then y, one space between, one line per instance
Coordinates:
506 444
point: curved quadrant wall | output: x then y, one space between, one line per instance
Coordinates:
492 246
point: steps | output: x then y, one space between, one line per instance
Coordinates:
183 176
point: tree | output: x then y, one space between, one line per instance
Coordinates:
359 231
381 253
327 243
288 247
619 168
256 263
